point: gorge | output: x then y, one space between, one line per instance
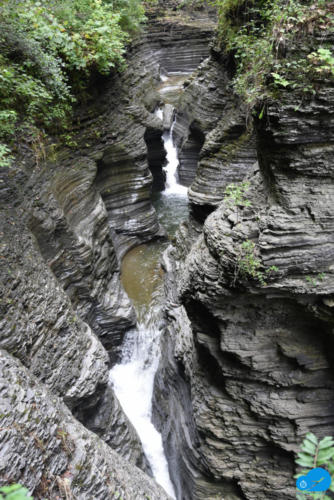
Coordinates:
167 280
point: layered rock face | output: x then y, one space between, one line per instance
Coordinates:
51 452
69 213
119 126
41 328
217 145
69 220
249 318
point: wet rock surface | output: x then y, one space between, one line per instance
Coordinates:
249 364
48 450
69 214
41 328
247 359
216 145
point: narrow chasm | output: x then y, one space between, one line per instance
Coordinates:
166 252
142 277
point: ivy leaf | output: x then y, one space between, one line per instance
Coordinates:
279 80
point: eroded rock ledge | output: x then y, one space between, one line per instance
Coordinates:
52 453
69 213
249 365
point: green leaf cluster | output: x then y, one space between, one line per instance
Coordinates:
5 156
260 34
249 265
323 61
315 453
49 48
235 195
14 492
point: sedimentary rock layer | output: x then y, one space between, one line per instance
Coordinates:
71 210
215 141
45 448
249 315
40 327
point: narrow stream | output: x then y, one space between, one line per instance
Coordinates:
133 377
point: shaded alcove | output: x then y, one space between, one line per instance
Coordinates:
156 157
189 155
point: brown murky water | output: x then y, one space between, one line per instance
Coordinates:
141 272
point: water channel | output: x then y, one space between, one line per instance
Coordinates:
133 377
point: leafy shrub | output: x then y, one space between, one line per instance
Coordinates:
248 263
323 61
249 266
5 156
46 47
260 33
234 194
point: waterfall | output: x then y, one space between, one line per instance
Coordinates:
172 185
133 380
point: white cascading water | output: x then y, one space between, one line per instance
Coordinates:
133 378
172 185
159 113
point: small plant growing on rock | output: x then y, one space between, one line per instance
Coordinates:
323 61
249 265
315 453
235 196
65 441
315 281
5 156
279 80
14 492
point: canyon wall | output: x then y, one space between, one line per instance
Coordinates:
70 209
249 315
247 358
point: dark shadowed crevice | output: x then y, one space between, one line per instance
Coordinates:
189 155
156 156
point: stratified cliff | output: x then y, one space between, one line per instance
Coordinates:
68 215
247 364
249 316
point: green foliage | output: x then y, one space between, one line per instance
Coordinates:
249 265
315 281
323 61
48 49
235 195
278 80
315 453
260 34
14 492
5 156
